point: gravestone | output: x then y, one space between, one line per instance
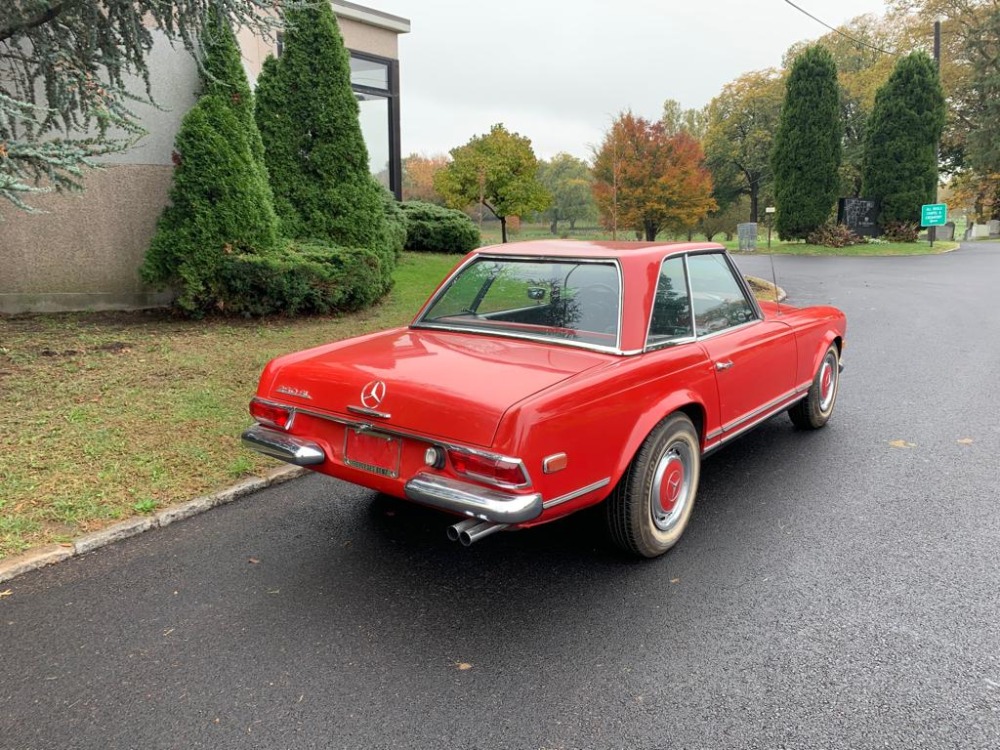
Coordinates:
994 226
946 233
980 231
748 236
858 215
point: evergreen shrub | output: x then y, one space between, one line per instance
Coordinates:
901 231
302 278
435 229
220 204
834 235
395 224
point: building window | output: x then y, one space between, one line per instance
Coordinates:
375 81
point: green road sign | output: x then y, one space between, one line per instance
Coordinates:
933 214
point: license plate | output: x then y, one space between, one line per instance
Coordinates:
372 451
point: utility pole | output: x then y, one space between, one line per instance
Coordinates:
932 231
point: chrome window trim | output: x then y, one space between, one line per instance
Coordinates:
420 323
576 493
522 337
740 281
687 284
386 430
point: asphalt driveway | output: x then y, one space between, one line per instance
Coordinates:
834 589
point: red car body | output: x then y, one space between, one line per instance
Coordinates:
523 411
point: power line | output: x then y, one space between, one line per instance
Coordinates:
842 33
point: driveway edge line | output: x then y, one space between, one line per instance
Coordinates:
17 565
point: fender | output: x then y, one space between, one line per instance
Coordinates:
680 400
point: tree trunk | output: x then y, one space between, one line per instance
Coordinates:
572 224
754 190
651 230
503 229
554 226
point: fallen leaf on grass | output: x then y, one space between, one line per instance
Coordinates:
463 666
901 444
966 441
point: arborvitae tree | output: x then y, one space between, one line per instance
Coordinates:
220 205
314 150
222 73
807 146
900 163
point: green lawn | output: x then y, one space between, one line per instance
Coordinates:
491 236
111 414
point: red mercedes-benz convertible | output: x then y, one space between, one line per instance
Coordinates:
545 377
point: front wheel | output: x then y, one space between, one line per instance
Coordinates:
815 409
649 509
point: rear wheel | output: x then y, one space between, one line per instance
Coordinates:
649 509
815 409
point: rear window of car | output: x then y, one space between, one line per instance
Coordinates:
570 301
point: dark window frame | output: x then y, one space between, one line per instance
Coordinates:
392 96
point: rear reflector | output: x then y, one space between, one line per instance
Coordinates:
496 470
271 415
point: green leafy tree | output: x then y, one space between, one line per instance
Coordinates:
65 73
807 146
567 179
900 162
497 170
693 121
220 205
984 55
742 121
313 146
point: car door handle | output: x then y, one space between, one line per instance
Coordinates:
719 366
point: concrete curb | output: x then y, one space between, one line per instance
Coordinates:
34 559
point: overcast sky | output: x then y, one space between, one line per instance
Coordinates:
558 71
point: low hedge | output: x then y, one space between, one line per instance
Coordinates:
303 278
395 224
435 229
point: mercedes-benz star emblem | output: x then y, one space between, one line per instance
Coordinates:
372 394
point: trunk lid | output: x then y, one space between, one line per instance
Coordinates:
451 386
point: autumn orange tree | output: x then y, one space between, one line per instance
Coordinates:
418 177
648 180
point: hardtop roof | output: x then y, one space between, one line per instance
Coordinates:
634 251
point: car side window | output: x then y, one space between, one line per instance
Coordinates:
671 318
719 301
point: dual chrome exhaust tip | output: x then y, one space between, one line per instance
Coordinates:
472 530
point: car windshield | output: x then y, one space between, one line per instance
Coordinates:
562 300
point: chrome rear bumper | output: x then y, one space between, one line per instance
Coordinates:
473 500
283 446
448 494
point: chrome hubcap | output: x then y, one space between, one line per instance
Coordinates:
828 382
671 490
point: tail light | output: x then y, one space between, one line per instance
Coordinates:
497 470
271 415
